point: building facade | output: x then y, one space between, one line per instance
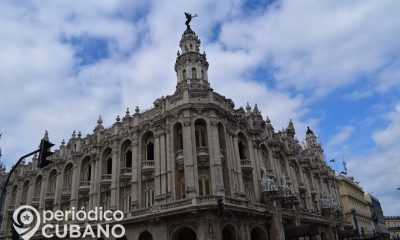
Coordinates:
165 168
380 230
393 226
354 206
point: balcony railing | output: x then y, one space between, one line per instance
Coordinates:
35 199
84 185
147 166
246 165
202 155
50 195
126 170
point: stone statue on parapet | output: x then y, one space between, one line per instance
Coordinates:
189 18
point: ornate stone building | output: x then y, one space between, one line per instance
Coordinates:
165 168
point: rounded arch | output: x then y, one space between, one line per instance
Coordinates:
38 186
194 73
184 233
201 132
178 136
86 169
107 163
146 235
13 194
25 190
51 187
257 234
126 154
229 232
148 146
68 171
243 146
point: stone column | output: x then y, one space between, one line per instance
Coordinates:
30 192
18 196
43 192
188 156
232 165
136 165
277 229
58 190
157 165
5 212
114 178
75 185
170 163
97 182
253 155
237 163
215 158
163 166
92 183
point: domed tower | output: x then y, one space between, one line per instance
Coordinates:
191 66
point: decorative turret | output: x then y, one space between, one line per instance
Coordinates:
311 139
191 66
290 129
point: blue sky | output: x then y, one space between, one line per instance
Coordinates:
331 65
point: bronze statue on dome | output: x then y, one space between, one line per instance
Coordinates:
189 18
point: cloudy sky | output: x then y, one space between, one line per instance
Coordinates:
331 65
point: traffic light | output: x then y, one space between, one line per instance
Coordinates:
44 152
220 205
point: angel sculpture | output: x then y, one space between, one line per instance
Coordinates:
189 18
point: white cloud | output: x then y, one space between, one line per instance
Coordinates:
378 169
341 136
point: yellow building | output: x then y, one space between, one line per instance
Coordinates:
355 207
393 225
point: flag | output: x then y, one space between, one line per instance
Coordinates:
332 160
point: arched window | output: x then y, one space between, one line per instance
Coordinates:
145 236
25 190
184 74
67 183
38 187
202 74
194 73
150 150
242 148
201 133
13 195
128 159
86 170
264 156
204 185
108 166
52 182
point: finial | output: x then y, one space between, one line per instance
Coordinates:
127 112
268 121
309 131
248 108
100 120
137 110
255 110
46 136
79 134
63 142
118 118
178 53
73 134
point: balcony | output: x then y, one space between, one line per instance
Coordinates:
246 165
202 156
84 186
36 200
180 160
66 191
106 178
147 166
126 173
50 196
